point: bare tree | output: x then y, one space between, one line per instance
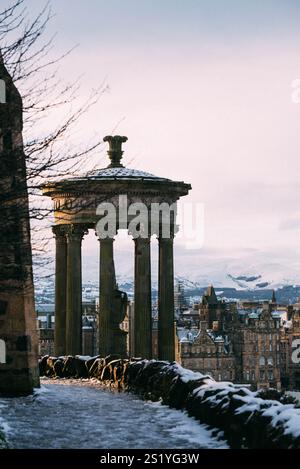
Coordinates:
28 53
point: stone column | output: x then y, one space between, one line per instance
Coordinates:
75 234
107 287
60 289
142 299
166 339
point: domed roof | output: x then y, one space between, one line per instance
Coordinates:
120 172
115 174
116 170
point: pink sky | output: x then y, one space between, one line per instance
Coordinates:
205 99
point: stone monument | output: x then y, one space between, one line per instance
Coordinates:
18 336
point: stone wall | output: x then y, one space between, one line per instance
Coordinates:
18 366
248 419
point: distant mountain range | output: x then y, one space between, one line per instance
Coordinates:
285 294
240 276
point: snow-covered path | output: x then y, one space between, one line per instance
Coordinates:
64 415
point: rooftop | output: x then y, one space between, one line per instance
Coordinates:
121 172
115 171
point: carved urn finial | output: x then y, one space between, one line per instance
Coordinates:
115 150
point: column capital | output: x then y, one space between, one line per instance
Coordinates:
103 240
141 240
59 232
76 232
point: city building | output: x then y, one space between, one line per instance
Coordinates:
255 338
247 342
179 297
209 352
240 343
289 359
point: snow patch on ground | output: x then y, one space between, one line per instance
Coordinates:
181 425
84 415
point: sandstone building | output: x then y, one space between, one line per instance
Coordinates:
211 353
289 357
240 345
256 344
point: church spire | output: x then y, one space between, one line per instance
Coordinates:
210 296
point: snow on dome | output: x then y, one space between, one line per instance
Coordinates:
120 173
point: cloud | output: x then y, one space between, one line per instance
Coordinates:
290 224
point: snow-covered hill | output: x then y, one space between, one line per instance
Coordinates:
253 271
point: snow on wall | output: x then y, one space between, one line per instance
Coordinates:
248 419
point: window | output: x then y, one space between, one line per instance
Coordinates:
262 361
270 375
271 348
270 361
262 375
